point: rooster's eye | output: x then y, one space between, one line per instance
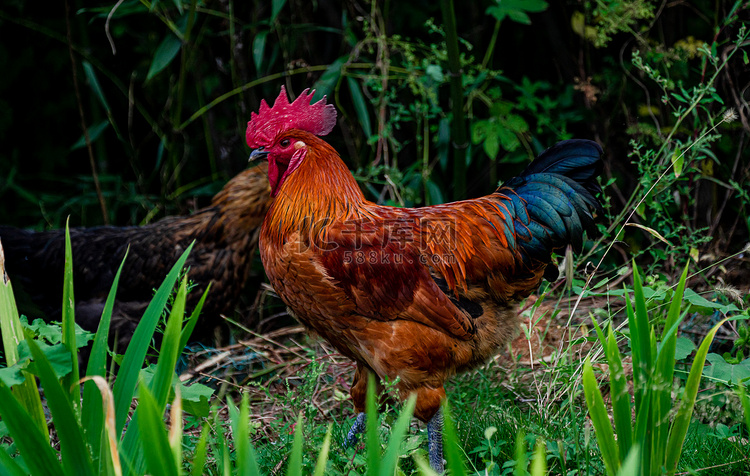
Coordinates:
284 143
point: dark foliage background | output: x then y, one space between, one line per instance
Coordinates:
166 88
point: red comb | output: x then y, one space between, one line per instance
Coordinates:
318 118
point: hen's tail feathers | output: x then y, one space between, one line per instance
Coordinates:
554 199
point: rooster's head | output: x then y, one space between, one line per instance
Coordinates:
265 132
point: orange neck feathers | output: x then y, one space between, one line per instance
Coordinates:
321 188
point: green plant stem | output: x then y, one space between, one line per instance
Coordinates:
460 142
245 87
491 47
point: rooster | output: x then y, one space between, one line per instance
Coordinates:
225 235
411 295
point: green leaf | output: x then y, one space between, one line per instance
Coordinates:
52 332
195 397
325 85
492 146
479 130
434 193
360 106
57 355
276 6
700 304
725 372
508 139
93 81
516 124
678 159
259 48
683 348
515 9
165 53
14 375
94 132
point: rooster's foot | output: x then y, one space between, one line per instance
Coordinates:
357 428
435 442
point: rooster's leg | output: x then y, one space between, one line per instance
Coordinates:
357 428
435 442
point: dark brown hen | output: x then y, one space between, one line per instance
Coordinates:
225 235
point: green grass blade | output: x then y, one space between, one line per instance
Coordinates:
245 460
161 385
74 451
199 455
91 416
453 456
187 331
685 411
621 408
127 378
157 453
320 465
745 405
635 349
604 434
372 445
69 323
8 465
176 430
521 462
109 459
32 443
630 466
642 425
398 431
11 330
664 374
424 466
642 335
170 350
295 458
539 463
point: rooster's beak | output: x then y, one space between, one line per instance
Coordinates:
258 154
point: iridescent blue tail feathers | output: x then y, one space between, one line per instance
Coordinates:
555 198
